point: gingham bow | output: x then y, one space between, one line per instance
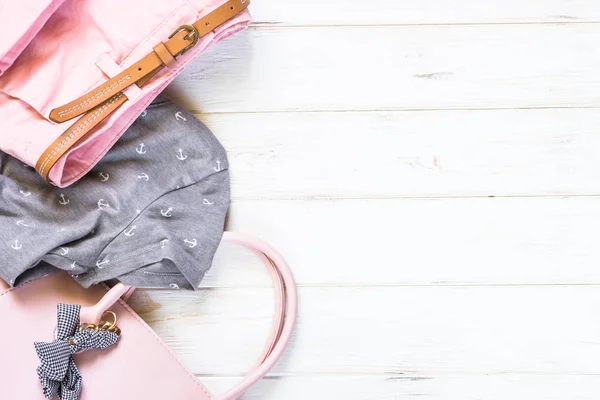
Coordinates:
58 373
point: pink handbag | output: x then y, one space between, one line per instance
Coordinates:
139 366
75 74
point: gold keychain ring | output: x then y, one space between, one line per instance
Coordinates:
113 325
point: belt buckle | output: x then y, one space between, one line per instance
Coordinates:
192 33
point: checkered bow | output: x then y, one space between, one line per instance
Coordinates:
58 373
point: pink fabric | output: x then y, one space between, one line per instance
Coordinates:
30 310
25 19
72 54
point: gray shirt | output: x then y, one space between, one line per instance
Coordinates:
150 214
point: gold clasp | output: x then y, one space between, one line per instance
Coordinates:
193 34
104 325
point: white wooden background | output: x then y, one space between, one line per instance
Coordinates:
431 171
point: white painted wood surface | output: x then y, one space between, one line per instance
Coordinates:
431 171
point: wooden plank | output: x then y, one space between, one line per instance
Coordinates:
382 387
509 241
396 68
394 12
400 332
411 154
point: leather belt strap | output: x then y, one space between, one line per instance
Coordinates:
106 98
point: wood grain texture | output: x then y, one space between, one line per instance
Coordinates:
394 12
430 171
395 331
411 154
467 387
396 68
516 241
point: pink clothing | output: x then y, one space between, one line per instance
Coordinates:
79 47
22 20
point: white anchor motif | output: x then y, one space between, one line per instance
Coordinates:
104 177
63 200
144 113
174 286
218 167
73 265
207 202
130 231
163 243
64 251
21 223
138 211
168 213
100 265
192 243
16 245
26 194
140 149
180 155
144 177
179 116
103 204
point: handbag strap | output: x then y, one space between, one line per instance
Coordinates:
286 309
102 101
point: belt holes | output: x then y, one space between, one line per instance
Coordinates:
232 7
139 69
208 23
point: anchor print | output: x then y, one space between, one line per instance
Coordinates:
130 231
144 113
174 286
16 245
192 243
163 243
144 177
218 167
104 177
138 211
103 204
180 156
64 251
168 213
180 117
26 194
207 202
22 223
140 149
101 265
63 200
74 265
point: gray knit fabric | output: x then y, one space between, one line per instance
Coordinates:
150 214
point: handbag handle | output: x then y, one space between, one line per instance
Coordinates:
286 309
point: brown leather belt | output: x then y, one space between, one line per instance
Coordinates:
99 103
